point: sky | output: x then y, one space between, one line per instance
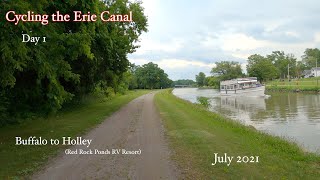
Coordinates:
186 37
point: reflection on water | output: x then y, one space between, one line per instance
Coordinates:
295 116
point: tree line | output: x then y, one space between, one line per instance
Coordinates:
148 76
77 59
223 70
276 65
279 65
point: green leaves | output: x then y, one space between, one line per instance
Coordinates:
261 67
76 58
310 57
227 70
200 79
150 76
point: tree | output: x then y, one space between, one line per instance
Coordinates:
261 67
77 57
227 70
300 68
282 61
213 81
187 82
310 57
200 79
150 76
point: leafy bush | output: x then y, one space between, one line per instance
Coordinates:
204 101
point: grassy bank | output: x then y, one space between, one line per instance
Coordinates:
22 160
305 84
195 134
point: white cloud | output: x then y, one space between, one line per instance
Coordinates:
210 42
180 63
235 30
148 45
292 34
241 55
150 7
244 67
241 42
317 37
174 63
138 61
179 68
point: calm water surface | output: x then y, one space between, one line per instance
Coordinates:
294 116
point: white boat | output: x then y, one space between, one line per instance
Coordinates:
244 86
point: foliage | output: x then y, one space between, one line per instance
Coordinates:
76 59
281 61
213 81
227 70
204 101
188 82
261 67
200 79
310 57
149 76
275 65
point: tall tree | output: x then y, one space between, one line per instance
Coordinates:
200 79
282 61
300 68
227 70
261 67
310 57
213 81
77 57
151 76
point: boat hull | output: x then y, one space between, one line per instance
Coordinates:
257 91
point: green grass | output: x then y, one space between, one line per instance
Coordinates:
195 134
20 161
305 84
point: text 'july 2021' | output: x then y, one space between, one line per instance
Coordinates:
78 16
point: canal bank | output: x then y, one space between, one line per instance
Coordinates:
309 85
293 116
296 89
197 135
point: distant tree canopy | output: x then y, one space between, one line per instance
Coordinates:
310 57
187 82
149 76
227 70
212 81
261 67
201 79
281 62
277 63
75 59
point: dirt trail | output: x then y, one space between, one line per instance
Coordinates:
135 126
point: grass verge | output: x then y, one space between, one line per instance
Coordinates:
295 85
20 161
195 134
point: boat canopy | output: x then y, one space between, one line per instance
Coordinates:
239 81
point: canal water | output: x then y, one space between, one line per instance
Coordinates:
293 116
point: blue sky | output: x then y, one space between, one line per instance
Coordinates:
186 37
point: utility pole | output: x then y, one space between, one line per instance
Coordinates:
317 71
288 73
